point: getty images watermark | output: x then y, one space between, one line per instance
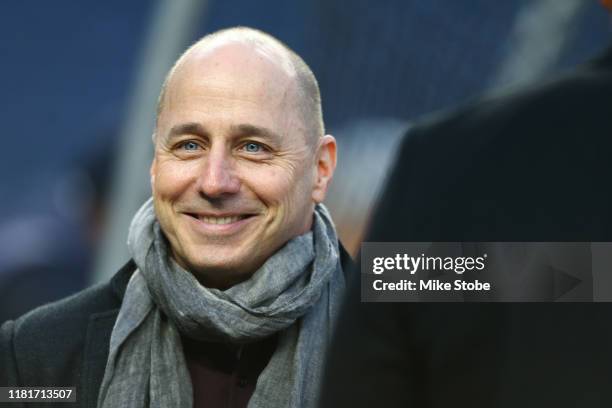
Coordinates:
486 271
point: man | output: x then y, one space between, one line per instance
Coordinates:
236 274
529 165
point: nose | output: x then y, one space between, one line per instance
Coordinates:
218 177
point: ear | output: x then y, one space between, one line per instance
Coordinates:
325 166
152 173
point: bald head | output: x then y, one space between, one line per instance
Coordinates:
235 175
235 51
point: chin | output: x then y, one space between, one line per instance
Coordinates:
229 263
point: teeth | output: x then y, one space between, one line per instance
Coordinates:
220 220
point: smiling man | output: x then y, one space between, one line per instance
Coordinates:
237 273
240 158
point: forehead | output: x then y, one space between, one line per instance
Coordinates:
232 79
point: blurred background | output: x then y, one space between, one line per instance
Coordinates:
80 82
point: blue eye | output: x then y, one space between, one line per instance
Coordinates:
252 147
190 146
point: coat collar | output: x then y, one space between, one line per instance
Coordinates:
121 279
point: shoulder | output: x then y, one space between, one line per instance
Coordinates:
570 99
504 163
72 313
512 122
48 343
62 317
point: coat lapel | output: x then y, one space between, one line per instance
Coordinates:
95 355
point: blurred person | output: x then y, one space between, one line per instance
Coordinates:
526 165
236 272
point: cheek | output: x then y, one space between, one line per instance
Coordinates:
281 187
271 185
172 179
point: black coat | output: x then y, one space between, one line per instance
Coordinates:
66 343
529 165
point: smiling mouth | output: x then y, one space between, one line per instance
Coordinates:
207 219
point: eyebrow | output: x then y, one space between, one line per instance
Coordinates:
241 130
187 128
252 130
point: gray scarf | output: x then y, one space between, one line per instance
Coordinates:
296 293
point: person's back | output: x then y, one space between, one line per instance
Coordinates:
533 165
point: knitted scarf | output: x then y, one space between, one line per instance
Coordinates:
296 293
